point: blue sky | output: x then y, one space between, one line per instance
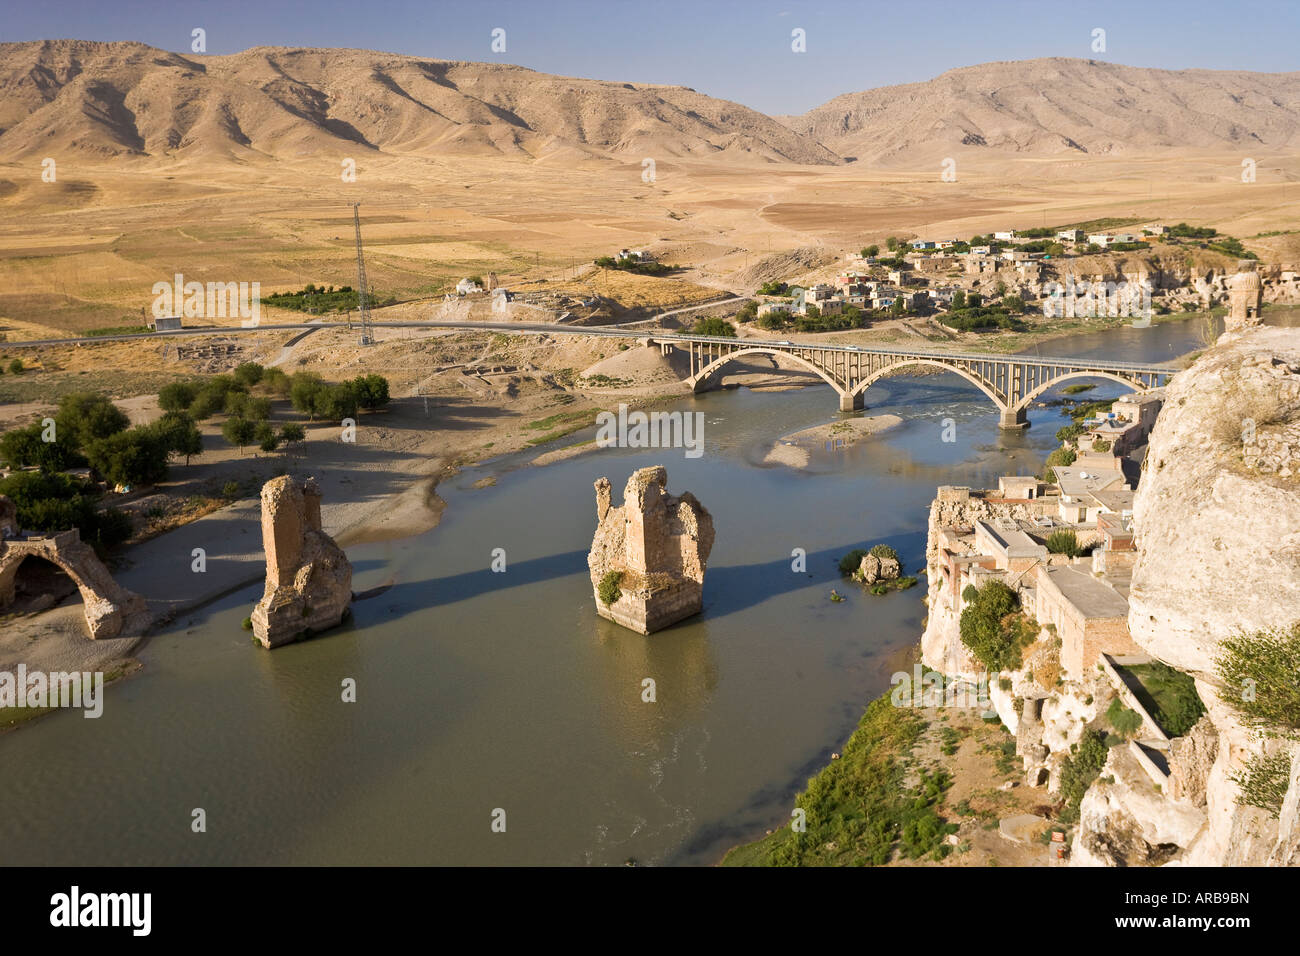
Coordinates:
729 48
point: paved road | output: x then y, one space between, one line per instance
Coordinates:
613 332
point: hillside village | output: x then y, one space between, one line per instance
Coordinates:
1002 279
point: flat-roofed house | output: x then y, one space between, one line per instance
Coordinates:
1090 616
1077 485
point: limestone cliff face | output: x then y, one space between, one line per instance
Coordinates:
308 577
658 544
1217 520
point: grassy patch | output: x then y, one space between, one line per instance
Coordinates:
858 810
1168 695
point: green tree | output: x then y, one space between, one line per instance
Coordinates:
1065 542
238 431
84 416
870 252
266 437
248 374
135 457
748 312
179 435
25 447
991 626
371 391
303 387
16 367
959 300
715 327
178 396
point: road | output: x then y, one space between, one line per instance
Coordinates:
610 332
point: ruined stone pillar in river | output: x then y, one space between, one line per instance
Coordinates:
648 557
308 577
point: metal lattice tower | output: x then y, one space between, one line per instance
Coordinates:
362 305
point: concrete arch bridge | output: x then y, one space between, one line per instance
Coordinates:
1011 382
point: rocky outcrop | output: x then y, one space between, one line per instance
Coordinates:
308 577
1218 538
872 569
111 610
653 550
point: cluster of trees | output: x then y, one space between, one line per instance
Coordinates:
315 299
89 430
776 287
58 502
714 326
627 264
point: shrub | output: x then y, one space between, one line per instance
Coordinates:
851 561
1064 541
276 381
1101 444
992 627
371 391
609 587
16 367
1258 671
884 551
1079 769
22 447
266 437
1264 781
291 432
231 490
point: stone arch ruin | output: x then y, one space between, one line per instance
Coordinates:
111 610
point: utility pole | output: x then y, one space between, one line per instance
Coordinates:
362 306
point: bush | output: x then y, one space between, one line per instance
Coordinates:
884 551
992 627
231 490
1061 456
371 391
276 381
16 367
1101 444
1258 671
1064 541
748 312
609 587
1079 769
852 561
266 437
1264 781
291 432
22 447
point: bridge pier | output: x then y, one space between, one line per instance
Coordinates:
1013 418
852 403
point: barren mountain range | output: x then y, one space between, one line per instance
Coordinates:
122 99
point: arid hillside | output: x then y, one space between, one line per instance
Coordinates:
129 99
1059 107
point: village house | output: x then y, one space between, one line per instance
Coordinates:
1089 615
1078 504
1069 235
1007 235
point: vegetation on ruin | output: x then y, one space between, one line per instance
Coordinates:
610 587
1064 541
1125 721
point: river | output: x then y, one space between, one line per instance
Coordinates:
479 691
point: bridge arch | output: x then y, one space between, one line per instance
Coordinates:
1047 386
110 609
971 377
709 370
